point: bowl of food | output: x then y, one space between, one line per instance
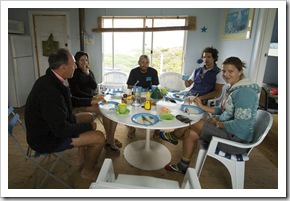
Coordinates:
166 116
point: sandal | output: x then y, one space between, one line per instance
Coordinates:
112 147
118 143
131 132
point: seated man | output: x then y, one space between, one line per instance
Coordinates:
145 77
207 80
50 123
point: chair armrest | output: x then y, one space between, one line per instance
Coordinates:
190 180
215 140
107 173
212 100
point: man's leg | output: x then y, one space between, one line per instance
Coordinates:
83 117
93 143
189 139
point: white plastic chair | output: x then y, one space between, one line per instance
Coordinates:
113 80
235 163
172 81
216 101
44 162
108 180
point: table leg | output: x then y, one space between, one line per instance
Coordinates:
146 154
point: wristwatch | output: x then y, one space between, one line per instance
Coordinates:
217 124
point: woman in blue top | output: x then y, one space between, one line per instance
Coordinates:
234 118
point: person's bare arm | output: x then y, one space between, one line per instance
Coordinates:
188 83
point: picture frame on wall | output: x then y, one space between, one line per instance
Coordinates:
237 23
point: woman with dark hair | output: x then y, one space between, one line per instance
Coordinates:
233 119
83 85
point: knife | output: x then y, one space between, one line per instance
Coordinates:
146 120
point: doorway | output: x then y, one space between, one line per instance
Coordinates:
262 42
42 25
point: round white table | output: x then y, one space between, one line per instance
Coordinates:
145 154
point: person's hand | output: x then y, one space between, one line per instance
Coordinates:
97 98
86 70
198 102
94 125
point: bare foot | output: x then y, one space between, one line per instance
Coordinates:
90 175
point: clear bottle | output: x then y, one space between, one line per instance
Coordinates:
147 104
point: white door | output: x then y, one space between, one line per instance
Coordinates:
44 24
262 42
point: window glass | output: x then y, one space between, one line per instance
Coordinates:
122 49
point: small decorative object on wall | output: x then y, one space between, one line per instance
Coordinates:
203 29
49 46
237 23
199 61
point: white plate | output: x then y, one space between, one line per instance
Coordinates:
138 119
109 105
191 109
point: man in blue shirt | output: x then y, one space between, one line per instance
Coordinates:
145 77
206 81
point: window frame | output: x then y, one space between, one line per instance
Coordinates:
190 24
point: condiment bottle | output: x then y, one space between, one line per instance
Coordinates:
147 104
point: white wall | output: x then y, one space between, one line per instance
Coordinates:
211 18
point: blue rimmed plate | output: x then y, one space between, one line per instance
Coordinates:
109 105
191 109
145 119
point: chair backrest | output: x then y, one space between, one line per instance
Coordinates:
107 179
15 118
172 81
115 78
264 121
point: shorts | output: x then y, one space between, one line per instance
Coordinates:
210 130
66 144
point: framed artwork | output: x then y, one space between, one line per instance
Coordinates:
237 23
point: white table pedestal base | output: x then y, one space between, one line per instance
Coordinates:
146 154
153 159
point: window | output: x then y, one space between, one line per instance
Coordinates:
161 38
